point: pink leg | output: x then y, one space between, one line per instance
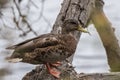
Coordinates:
58 63
53 71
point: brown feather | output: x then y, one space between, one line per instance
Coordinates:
47 47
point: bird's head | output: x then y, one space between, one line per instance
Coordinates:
72 25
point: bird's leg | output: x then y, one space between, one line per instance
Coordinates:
53 71
58 63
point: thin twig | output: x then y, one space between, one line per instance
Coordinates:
24 18
34 4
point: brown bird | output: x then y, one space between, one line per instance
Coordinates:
48 49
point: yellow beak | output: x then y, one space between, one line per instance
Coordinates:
82 29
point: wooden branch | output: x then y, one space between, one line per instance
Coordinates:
23 19
3 3
98 76
106 33
71 9
35 75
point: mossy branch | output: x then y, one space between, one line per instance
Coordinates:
107 35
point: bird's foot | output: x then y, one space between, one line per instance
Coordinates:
58 63
53 71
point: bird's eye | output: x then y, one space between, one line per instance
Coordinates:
73 23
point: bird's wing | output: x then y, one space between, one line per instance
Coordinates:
47 41
27 41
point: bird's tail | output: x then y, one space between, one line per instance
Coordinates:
11 47
13 60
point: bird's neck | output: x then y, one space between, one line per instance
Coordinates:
67 33
64 31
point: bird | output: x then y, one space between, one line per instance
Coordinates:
49 49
